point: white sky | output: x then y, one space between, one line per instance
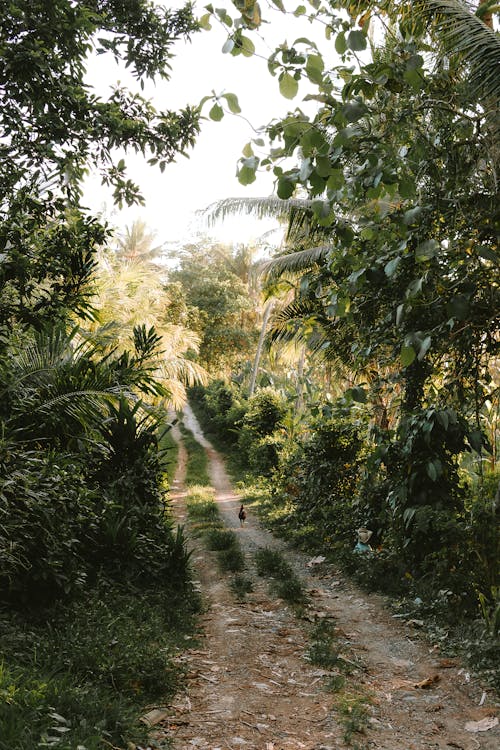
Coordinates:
190 185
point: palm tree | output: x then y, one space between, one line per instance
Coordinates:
468 36
131 294
136 244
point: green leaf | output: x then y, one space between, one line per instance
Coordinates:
411 216
431 471
406 187
356 40
335 180
314 68
414 288
204 22
358 394
340 43
323 166
247 46
426 250
391 266
216 113
321 209
300 10
285 188
288 86
248 150
246 173
232 103
414 78
407 355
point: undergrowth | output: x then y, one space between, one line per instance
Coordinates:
80 675
207 524
197 461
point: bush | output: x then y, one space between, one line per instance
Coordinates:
319 480
48 515
264 454
82 676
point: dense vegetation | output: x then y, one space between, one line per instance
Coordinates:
94 579
388 290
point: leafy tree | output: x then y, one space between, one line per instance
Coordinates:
54 128
64 398
221 310
399 165
53 125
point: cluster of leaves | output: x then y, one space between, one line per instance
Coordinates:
394 248
53 124
81 474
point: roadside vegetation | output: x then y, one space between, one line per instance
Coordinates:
314 491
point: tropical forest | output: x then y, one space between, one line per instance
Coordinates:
250 488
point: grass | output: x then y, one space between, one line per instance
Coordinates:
206 522
220 539
353 715
325 650
197 462
171 452
82 674
287 585
231 560
241 586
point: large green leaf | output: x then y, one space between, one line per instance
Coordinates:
288 85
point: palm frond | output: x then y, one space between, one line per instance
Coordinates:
294 263
461 32
262 208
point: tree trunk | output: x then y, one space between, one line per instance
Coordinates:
260 345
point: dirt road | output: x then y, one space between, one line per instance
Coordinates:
251 685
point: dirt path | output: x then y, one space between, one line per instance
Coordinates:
251 687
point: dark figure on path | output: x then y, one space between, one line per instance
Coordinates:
242 515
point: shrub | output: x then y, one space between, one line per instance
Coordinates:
319 481
264 454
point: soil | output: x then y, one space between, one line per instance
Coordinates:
250 685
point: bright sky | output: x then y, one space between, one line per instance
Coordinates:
190 185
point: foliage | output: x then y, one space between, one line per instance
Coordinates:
388 176
319 479
82 676
285 583
224 405
264 454
220 305
241 585
54 125
264 415
197 461
130 291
